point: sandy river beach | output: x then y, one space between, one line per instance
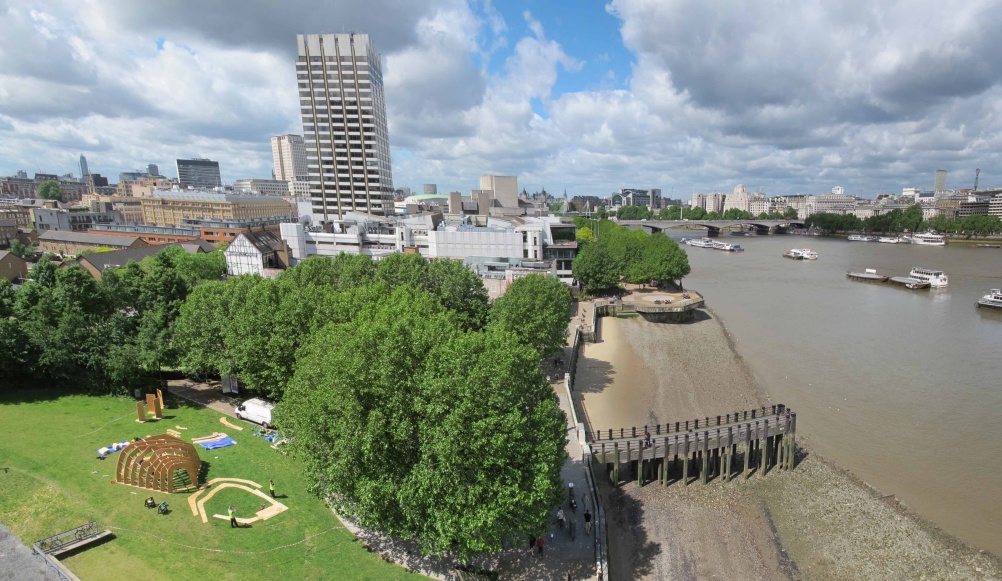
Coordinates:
816 522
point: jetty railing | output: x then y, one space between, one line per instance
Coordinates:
688 425
766 442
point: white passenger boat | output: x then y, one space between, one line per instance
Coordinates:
992 300
728 247
702 242
860 238
888 240
928 239
801 254
935 278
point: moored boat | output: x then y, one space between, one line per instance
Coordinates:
935 278
908 282
728 247
870 275
888 240
801 254
860 238
794 254
928 239
992 300
989 245
701 242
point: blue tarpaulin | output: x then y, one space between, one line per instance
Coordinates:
227 441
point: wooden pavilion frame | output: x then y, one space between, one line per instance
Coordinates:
155 462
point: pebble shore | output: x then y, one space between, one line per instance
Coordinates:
816 522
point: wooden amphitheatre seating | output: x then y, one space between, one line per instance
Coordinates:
163 463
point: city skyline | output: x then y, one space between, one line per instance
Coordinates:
682 97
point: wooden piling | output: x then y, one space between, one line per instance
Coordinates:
748 450
685 463
615 467
705 473
763 447
793 441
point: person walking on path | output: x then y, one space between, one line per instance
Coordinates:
271 487
539 546
560 517
233 517
587 518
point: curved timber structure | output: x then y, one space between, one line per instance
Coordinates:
163 463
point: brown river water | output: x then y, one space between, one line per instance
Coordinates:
903 388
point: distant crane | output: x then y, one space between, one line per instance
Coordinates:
977 174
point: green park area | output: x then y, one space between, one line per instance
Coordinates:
54 482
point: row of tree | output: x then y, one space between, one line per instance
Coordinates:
910 219
697 213
64 328
619 253
416 406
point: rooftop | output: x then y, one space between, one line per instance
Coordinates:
87 238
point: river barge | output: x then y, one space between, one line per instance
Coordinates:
909 282
870 275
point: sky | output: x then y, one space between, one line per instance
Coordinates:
580 96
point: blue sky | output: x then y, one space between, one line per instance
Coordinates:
587 96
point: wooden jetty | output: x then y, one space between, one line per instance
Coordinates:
707 447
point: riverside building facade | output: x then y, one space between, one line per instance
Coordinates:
340 81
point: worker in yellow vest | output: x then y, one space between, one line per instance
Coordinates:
271 487
233 517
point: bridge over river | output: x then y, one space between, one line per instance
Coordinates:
714 227
710 446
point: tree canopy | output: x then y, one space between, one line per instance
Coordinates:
633 255
537 310
50 190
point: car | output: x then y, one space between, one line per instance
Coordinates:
256 410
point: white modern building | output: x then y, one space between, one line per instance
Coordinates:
341 99
265 187
289 155
533 239
709 202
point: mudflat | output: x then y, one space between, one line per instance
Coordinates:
815 522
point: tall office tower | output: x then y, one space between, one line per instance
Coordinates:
198 173
152 170
84 170
940 180
431 189
289 153
344 125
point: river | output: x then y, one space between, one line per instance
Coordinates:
903 388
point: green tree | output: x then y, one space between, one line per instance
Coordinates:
412 408
584 235
536 309
663 261
403 270
601 213
23 250
790 213
459 290
595 269
50 190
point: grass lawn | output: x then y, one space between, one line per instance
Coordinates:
51 486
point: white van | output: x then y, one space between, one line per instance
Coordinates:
256 410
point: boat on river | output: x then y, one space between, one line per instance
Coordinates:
869 275
701 242
935 278
928 239
989 245
992 300
727 247
860 238
801 254
888 240
908 282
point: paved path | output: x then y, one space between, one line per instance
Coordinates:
209 394
19 563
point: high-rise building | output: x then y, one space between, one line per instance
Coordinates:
344 125
289 153
84 170
940 181
431 188
153 170
198 173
